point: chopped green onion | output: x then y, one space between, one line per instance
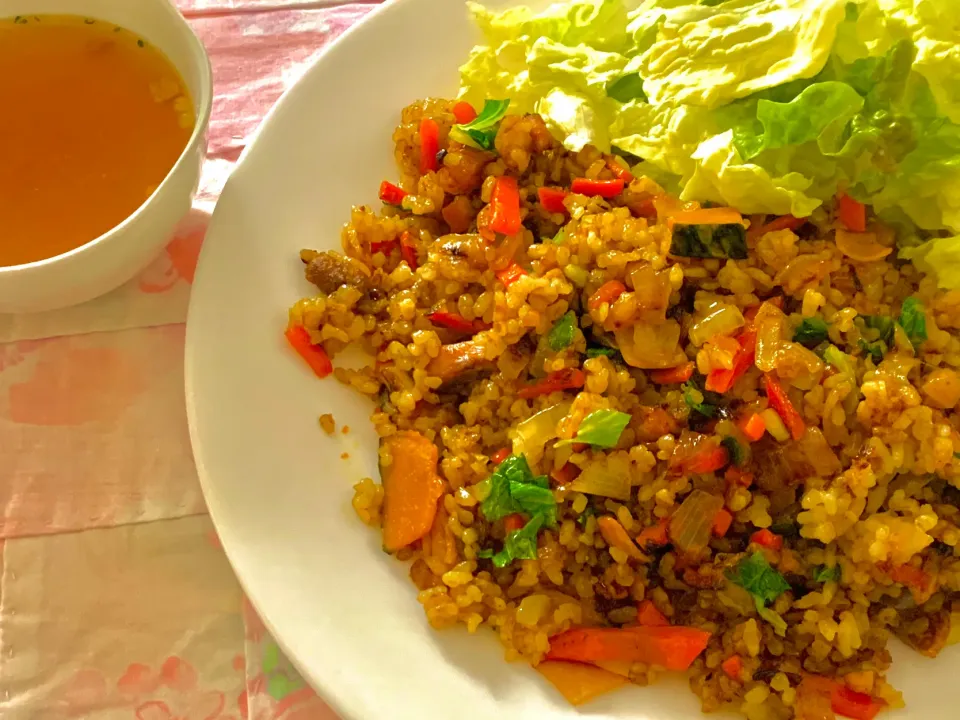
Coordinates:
480 132
913 320
810 332
560 237
626 88
563 331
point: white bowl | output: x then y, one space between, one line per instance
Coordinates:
113 258
345 612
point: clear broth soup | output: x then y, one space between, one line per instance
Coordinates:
93 119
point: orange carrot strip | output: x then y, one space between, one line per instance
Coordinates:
315 356
673 647
673 376
411 488
649 616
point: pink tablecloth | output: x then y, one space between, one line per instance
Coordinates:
116 600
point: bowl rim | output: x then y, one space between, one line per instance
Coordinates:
200 60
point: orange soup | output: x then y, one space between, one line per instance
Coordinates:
93 118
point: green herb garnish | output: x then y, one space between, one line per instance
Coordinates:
913 320
514 488
710 241
520 544
734 449
823 574
602 428
764 584
480 132
563 331
811 332
626 88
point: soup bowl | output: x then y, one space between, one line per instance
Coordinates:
111 259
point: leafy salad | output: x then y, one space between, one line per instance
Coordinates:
768 106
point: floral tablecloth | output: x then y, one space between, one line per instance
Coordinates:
116 600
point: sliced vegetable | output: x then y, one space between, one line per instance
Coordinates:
733 667
615 536
753 427
391 194
722 522
565 475
408 250
673 376
840 360
384 246
781 403
579 683
691 525
602 428
597 188
510 274
764 584
811 332
823 573
453 321
851 213
515 489
411 489
721 379
861 246
673 648
500 455
774 425
552 199
563 331
619 169
566 379
535 432
520 544
708 216
913 320
314 355
429 145
767 539
649 616
655 535
843 700
606 293
883 325
721 319
709 241
505 206
607 477
464 113
481 132
784 222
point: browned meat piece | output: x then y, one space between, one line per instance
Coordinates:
458 358
933 639
330 271
652 423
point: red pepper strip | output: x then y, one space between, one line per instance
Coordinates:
852 214
500 455
709 459
649 616
597 188
464 113
552 199
456 322
733 667
505 206
566 379
606 293
386 247
514 522
618 170
655 535
408 250
767 539
722 522
315 355
672 647
510 274
429 145
721 380
784 222
673 376
785 409
392 194
856 705
753 427
565 475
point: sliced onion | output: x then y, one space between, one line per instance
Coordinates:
651 346
770 323
651 287
536 431
862 247
609 477
819 454
721 319
692 523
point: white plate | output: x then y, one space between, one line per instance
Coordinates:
345 612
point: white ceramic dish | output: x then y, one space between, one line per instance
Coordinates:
113 258
345 613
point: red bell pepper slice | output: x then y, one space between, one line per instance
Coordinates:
464 113
408 251
552 199
606 293
500 455
510 274
315 356
566 379
453 321
722 522
721 380
619 171
780 402
429 145
597 188
505 206
767 539
852 214
391 194
706 460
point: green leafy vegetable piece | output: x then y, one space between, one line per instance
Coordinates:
823 573
563 332
755 575
710 241
626 88
734 449
913 320
875 349
811 332
514 488
480 132
602 428
696 400
536 501
601 351
840 360
520 544
883 325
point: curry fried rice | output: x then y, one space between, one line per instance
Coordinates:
634 436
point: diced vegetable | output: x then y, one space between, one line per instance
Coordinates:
649 616
411 489
565 475
811 332
781 403
481 132
722 319
408 250
655 535
913 320
597 188
429 145
861 246
619 169
615 536
651 345
721 380
627 87
709 241
784 222
774 425
566 379
823 573
384 246
563 331
535 432
602 428
552 199
673 376
500 455
314 355
733 667
764 584
722 522
767 539
674 648
883 325
843 700
851 213
510 274
515 489
609 477
391 194
606 293
505 206
520 544
464 113
753 427
579 683
691 525
736 452
453 321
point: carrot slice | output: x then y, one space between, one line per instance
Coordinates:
673 376
597 188
411 488
649 616
852 214
514 522
753 427
607 293
721 380
722 522
314 355
566 379
579 683
784 222
505 206
655 535
510 274
673 648
500 455
429 145
767 539
733 667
